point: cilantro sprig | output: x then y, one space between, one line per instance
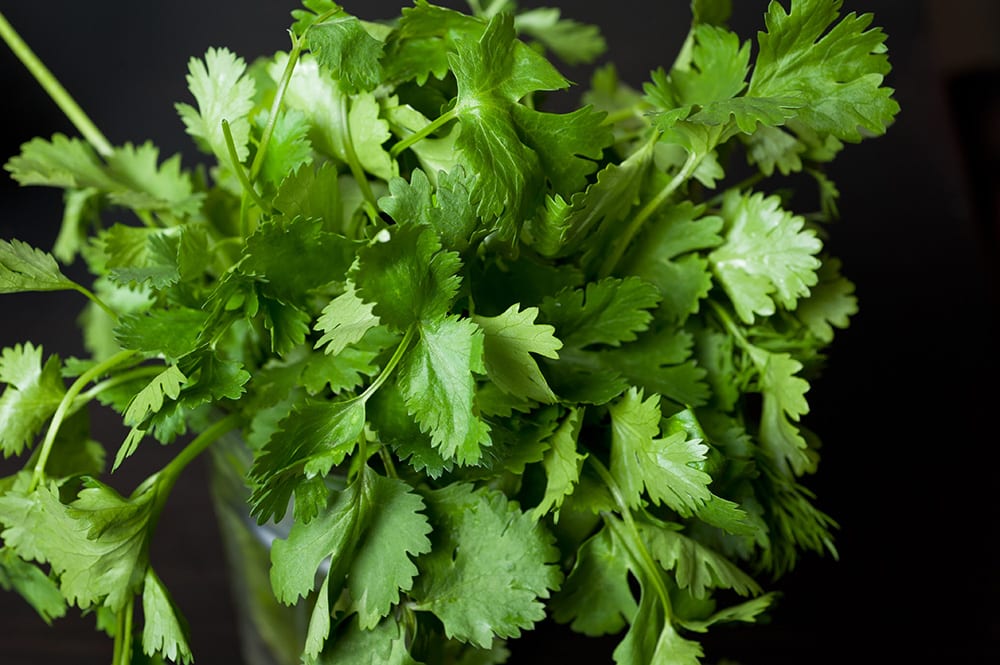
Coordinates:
494 363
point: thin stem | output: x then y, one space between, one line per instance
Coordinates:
124 377
272 120
173 469
746 183
352 158
123 634
637 549
397 356
64 406
55 90
424 132
239 170
97 301
622 242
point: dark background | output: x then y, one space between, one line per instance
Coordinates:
907 408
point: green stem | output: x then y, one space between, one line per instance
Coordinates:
168 475
424 132
622 242
97 301
397 356
239 170
746 183
637 549
353 162
123 634
272 120
55 90
124 377
64 407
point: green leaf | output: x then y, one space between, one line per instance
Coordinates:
24 268
339 124
40 590
163 630
406 275
347 51
571 41
446 208
367 538
667 254
140 255
609 311
171 332
562 464
33 393
344 321
489 567
385 644
696 568
222 91
666 468
98 545
130 177
289 147
294 257
842 95
830 303
596 598
493 73
437 381
767 255
784 401
314 438
508 342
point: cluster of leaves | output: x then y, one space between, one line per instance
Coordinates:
496 363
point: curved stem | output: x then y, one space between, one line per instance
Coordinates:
637 549
239 170
55 90
272 119
99 388
397 356
173 469
97 301
353 162
64 406
622 242
423 132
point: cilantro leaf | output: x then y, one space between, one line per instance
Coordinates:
222 91
596 598
508 341
665 468
24 268
385 644
562 465
314 438
97 545
163 632
33 393
445 207
571 41
347 51
767 255
39 589
489 566
406 275
842 95
367 536
437 381
609 311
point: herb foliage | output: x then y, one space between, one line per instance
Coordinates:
559 360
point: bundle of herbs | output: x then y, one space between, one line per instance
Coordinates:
494 363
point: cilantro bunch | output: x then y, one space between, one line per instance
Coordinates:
497 363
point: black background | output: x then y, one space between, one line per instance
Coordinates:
906 409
